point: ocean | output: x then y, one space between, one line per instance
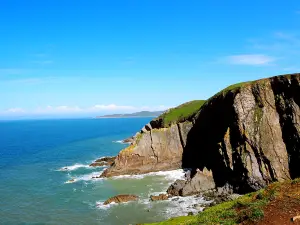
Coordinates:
34 191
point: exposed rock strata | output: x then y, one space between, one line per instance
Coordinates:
128 140
104 161
160 197
121 198
153 149
202 181
247 136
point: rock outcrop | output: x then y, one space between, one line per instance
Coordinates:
159 197
202 181
128 140
153 149
104 161
247 135
121 198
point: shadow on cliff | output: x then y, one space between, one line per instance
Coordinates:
287 92
205 143
216 131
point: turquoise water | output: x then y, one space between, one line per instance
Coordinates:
34 191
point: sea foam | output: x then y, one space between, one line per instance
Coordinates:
170 175
74 167
121 142
85 177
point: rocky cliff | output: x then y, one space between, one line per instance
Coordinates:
247 136
153 149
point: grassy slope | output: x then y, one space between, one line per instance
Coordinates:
248 209
187 110
181 113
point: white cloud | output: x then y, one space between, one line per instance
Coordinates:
15 110
64 109
57 109
111 107
250 59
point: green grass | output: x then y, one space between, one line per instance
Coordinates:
235 86
188 110
181 113
246 208
182 220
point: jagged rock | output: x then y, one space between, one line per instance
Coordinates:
128 140
176 188
200 182
248 136
104 161
121 198
95 164
160 197
154 150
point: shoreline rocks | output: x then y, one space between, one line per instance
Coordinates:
128 140
159 197
104 161
153 149
202 181
121 198
247 136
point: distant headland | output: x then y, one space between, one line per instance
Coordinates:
136 114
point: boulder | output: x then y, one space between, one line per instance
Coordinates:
121 198
202 181
160 197
176 188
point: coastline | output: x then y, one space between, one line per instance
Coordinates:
123 117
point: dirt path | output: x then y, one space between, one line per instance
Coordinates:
284 207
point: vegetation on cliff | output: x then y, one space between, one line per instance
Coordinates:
180 113
277 204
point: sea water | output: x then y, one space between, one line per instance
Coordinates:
36 189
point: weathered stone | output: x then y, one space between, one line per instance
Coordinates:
199 183
246 136
152 150
95 164
160 197
121 198
104 161
128 140
176 188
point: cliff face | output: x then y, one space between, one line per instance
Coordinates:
153 149
247 136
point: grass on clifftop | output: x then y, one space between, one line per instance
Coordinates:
276 202
181 113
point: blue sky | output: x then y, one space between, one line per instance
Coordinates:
77 58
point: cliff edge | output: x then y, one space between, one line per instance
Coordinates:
246 136
159 145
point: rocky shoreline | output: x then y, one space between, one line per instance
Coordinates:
240 140
247 136
104 161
